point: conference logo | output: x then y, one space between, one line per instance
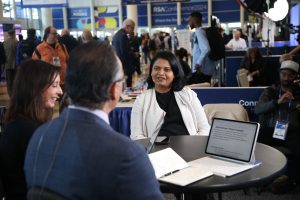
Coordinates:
247 103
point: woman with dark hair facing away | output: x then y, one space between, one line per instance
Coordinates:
36 89
182 55
167 108
255 64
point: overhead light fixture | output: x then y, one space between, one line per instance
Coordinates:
280 10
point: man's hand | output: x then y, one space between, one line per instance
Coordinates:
285 97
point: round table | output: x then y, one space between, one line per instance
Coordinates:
193 147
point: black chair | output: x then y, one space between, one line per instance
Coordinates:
38 193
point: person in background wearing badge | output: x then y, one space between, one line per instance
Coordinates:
52 51
279 115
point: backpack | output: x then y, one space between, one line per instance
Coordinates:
216 43
152 45
27 48
2 54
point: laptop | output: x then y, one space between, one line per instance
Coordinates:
148 143
230 147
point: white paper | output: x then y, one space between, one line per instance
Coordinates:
166 161
221 167
187 176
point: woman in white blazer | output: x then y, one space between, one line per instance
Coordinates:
167 108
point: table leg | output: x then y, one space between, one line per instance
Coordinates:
219 195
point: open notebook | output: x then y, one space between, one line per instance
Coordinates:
170 167
231 146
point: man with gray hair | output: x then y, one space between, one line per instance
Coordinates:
125 53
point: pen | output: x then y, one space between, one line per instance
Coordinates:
172 172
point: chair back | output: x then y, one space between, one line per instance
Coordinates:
225 110
242 78
37 193
205 84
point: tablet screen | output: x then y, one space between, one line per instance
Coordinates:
232 139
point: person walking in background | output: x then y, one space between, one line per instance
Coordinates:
68 40
26 47
121 44
134 43
145 47
32 102
182 56
10 49
86 36
52 51
204 66
92 161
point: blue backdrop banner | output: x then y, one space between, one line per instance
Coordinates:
43 3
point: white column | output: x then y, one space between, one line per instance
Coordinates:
29 17
65 15
209 12
120 13
178 13
242 16
46 17
149 17
13 3
93 30
1 10
132 14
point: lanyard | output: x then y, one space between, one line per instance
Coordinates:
279 112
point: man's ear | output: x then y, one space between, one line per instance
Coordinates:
113 92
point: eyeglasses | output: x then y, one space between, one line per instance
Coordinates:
122 80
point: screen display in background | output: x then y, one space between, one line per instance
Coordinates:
232 139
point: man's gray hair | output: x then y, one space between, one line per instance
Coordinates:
128 22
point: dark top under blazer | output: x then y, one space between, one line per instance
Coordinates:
12 154
93 161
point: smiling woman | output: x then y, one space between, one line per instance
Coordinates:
35 91
167 108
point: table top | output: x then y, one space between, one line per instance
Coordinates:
193 147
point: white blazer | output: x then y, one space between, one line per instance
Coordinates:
147 117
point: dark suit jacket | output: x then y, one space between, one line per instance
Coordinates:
92 161
13 145
122 46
